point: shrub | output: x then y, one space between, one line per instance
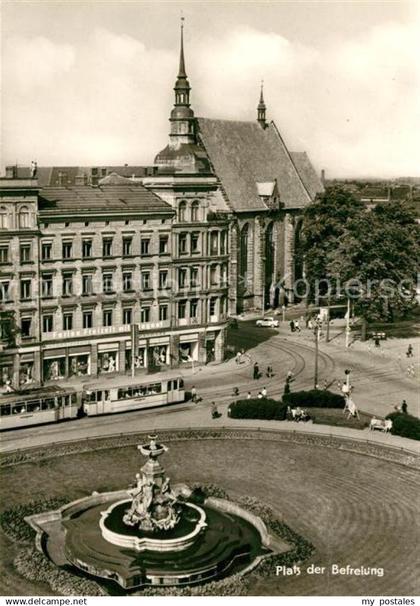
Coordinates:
258 409
405 425
315 398
12 521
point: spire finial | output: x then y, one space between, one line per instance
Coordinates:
261 109
182 73
262 92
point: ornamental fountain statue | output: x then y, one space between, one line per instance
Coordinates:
152 533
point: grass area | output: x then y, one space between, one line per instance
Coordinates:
237 340
335 416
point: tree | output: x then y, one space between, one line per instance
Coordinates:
324 221
376 257
9 330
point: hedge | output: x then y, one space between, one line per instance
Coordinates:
315 398
405 425
258 409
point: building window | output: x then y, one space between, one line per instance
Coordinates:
47 323
25 253
182 244
87 288
4 291
87 319
212 306
47 285
195 239
145 246
68 321
145 280
213 275
127 244
163 279
4 220
182 277
224 275
163 312
4 254
107 247
214 242
127 315
86 248
182 212
182 307
195 211
127 281
193 308
145 314
243 255
25 327
107 317
163 245
67 285
194 276
25 289
223 243
24 217
46 251
107 283
67 250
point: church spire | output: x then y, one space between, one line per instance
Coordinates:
182 73
261 109
182 116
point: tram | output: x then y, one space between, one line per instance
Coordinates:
135 396
36 406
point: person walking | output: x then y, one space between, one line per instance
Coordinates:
238 357
409 353
264 392
260 396
292 326
404 407
249 396
235 391
297 326
269 372
193 394
256 371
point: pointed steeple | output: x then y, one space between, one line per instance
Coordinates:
182 73
261 108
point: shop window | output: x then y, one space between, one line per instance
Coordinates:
26 373
79 365
87 319
107 317
6 374
186 352
25 253
47 323
107 247
67 250
25 289
145 314
145 246
127 315
140 358
107 362
4 254
54 369
163 312
68 321
157 356
46 251
127 246
163 245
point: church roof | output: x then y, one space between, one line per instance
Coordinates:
243 154
86 199
307 173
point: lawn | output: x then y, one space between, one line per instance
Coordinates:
335 416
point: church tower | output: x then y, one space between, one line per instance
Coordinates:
261 109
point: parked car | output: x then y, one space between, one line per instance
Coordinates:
270 322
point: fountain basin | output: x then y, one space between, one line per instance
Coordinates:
193 521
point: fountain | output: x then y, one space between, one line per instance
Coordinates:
153 533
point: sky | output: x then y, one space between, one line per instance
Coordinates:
91 83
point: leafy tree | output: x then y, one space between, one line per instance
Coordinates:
324 221
8 328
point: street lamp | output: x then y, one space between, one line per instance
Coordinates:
317 326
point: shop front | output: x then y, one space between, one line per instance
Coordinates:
108 358
54 365
79 362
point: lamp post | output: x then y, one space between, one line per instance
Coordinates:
316 334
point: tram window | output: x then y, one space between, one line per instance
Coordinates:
121 394
106 394
180 383
74 398
154 388
49 403
98 396
5 410
33 406
18 408
170 385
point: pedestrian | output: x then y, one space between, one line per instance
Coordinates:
286 389
193 394
236 391
260 396
377 342
290 376
238 357
264 392
269 372
404 407
292 326
409 353
248 397
214 412
297 326
256 371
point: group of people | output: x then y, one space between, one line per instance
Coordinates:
256 374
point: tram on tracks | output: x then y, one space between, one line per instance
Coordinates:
54 403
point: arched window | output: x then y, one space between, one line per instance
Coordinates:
4 223
243 253
24 216
195 210
182 213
